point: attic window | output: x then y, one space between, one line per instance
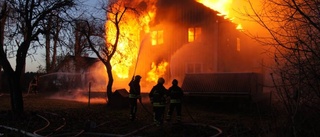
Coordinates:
157 37
194 34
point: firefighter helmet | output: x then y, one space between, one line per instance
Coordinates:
161 81
137 77
174 82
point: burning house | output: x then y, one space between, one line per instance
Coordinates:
187 37
179 38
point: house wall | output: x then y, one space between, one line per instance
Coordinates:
174 18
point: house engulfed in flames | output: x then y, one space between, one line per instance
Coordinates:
182 37
187 37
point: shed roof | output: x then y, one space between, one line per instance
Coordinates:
122 92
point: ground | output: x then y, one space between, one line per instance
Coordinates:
55 117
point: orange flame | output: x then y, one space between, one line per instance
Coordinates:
157 71
222 6
129 41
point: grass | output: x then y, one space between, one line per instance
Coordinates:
72 118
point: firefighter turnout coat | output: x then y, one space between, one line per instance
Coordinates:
158 95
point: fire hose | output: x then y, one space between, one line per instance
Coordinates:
20 131
145 108
83 132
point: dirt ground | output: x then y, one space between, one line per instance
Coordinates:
45 116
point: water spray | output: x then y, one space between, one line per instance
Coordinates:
141 44
135 68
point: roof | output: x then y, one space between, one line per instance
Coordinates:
220 82
122 92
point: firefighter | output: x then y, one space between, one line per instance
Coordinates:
157 97
175 93
134 95
33 86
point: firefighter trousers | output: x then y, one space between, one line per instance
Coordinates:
172 108
133 108
158 114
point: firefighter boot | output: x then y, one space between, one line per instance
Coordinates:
168 118
132 117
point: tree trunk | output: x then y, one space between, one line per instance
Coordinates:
77 34
55 43
3 18
110 82
13 78
16 93
47 35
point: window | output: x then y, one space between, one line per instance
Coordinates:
156 37
194 68
194 34
238 44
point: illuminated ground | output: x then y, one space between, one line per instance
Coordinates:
53 117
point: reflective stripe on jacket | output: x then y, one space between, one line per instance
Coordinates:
158 104
134 96
175 101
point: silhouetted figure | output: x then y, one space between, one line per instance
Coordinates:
175 93
134 95
33 86
157 97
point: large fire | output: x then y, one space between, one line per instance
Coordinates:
125 55
130 40
157 71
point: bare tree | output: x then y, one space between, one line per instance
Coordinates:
27 17
294 33
106 46
47 34
3 16
51 32
58 26
55 26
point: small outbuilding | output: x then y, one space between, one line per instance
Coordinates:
120 98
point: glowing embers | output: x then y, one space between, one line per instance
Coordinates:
157 71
